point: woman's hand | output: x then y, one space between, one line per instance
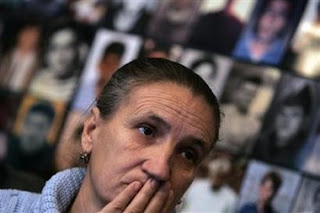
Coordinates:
136 198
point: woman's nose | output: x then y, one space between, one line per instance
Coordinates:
158 165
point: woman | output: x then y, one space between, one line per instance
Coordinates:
153 123
266 40
269 186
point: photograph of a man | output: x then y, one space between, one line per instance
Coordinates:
288 124
29 149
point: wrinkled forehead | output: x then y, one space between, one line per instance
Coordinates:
177 104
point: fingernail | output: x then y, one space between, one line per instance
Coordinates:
137 185
154 183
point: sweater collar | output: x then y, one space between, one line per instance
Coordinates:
61 190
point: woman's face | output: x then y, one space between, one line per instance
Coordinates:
266 191
62 52
159 131
289 121
273 20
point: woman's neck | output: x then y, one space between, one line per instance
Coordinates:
85 200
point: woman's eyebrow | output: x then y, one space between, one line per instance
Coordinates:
154 118
201 144
160 121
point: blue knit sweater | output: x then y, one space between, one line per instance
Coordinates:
56 196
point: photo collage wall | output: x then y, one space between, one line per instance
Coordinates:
260 58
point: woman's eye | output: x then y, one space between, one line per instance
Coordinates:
189 155
146 130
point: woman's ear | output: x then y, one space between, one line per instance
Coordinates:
89 128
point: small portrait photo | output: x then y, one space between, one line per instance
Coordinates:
308 199
31 144
109 51
269 30
288 122
246 96
129 16
213 68
304 58
20 53
63 55
267 188
173 20
220 24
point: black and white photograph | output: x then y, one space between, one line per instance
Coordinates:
289 122
213 68
64 52
246 97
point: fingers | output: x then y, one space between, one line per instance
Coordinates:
120 203
169 205
159 200
151 197
142 199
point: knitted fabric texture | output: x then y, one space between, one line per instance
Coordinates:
56 196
